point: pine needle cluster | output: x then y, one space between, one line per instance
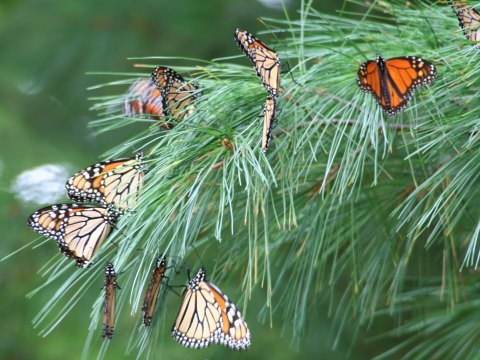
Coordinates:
376 216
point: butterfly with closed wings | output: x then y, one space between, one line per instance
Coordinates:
151 296
208 317
109 304
468 19
265 60
177 94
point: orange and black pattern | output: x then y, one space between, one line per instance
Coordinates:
392 82
468 19
269 116
208 317
143 98
265 60
78 230
109 304
151 296
177 94
112 182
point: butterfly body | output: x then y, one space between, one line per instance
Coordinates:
151 296
208 317
78 230
269 116
109 305
392 82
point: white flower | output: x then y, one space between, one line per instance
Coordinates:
41 185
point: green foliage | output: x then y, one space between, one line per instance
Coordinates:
373 215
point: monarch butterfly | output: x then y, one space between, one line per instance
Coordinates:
393 81
269 110
265 60
109 306
151 296
468 19
177 94
208 317
78 230
143 98
111 182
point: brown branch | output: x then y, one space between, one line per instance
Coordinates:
316 121
218 165
407 190
331 174
323 92
394 126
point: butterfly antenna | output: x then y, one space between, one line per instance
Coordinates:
172 287
120 231
289 71
175 265
198 256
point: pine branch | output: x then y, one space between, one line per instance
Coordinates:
349 208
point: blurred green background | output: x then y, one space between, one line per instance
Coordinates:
47 48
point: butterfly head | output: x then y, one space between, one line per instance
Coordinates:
380 61
114 213
110 271
195 281
380 58
139 155
161 262
140 164
81 263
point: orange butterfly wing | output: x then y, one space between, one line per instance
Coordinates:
394 81
78 230
109 182
234 328
369 79
468 19
208 317
151 296
265 60
178 95
143 98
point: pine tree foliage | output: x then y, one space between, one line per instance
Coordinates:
376 216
